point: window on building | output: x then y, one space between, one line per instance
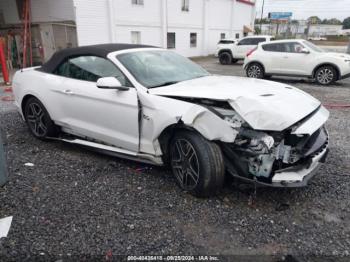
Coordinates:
137 2
136 37
193 39
237 36
90 68
185 5
222 36
171 39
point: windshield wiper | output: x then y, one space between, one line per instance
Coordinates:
165 84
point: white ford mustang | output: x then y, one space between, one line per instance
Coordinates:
155 106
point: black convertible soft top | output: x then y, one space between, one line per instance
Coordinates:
94 50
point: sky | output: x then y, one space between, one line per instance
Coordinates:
302 9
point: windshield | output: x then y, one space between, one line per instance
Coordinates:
313 47
157 68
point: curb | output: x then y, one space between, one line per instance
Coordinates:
3 169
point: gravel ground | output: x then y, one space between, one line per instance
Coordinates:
75 202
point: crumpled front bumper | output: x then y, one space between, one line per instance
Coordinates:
299 176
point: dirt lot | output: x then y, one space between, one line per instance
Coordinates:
74 202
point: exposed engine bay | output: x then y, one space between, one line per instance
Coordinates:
259 155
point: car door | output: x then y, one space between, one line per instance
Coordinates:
273 58
106 115
294 59
247 44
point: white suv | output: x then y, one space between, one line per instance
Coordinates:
230 51
299 58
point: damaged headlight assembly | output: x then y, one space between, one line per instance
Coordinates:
255 152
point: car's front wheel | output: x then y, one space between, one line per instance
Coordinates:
255 70
38 119
326 75
197 164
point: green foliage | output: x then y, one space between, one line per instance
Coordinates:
263 21
346 23
314 20
332 21
257 30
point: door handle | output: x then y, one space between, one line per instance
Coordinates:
285 57
68 92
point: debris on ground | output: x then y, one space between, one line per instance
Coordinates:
5 224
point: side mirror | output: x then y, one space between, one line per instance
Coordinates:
111 83
305 51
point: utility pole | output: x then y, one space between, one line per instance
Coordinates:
261 18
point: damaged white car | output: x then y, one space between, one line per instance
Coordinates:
152 105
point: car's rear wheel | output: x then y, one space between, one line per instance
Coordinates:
326 75
255 70
38 119
225 58
197 164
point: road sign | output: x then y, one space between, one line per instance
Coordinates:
280 15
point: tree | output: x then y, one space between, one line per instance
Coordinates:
257 30
263 21
334 21
346 23
314 20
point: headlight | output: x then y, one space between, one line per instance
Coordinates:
230 116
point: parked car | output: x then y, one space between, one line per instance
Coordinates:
224 44
317 38
155 106
233 52
299 58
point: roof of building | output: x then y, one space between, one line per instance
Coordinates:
101 50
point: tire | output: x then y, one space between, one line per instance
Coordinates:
255 70
326 75
38 120
197 164
225 58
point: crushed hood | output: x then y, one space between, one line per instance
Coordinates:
264 105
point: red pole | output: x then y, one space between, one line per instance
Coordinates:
5 72
30 32
25 34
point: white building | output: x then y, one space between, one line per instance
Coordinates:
190 27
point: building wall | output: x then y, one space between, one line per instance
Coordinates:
42 11
113 21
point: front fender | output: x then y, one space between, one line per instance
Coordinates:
159 113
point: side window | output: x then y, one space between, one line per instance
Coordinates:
91 68
294 47
246 41
274 48
226 42
256 41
